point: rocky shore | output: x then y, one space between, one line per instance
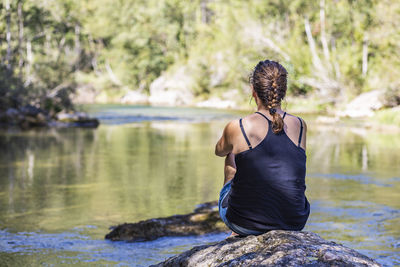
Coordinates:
30 116
274 248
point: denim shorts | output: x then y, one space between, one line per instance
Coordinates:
223 206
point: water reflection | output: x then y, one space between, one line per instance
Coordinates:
54 181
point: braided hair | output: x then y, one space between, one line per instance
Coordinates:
269 80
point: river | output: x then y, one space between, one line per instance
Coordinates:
60 189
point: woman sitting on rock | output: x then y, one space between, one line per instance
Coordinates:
265 165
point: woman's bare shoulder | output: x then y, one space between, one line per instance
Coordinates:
233 127
296 119
251 120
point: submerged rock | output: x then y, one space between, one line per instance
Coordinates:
274 248
204 219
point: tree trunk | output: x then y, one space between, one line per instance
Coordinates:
47 42
323 32
8 37
338 74
29 58
365 55
94 55
206 13
77 46
313 49
20 38
60 48
111 74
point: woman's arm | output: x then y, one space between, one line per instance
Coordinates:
304 137
230 168
224 145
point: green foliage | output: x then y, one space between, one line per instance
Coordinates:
388 116
127 44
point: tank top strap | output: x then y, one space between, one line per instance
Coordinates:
244 133
262 115
284 114
301 130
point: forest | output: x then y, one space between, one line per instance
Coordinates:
333 50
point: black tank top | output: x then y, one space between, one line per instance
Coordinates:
268 189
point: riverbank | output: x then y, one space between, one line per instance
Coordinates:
28 116
368 110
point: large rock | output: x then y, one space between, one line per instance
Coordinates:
172 89
134 97
204 219
364 105
84 94
216 102
218 69
230 99
274 248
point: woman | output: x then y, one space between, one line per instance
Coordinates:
265 163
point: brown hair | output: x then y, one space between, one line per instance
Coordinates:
269 80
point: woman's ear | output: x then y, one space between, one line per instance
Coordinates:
254 93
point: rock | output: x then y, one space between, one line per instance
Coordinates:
327 119
85 94
216 102
364 105
24 117
75 119
30 110
274 248
12 113
172 89
204 219
229 99
219 68
43 118
70 117
134 97
30 116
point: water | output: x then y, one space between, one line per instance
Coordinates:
60 189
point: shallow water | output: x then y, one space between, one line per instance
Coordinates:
60 189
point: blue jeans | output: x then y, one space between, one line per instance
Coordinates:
223 206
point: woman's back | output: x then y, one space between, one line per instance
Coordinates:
256 129
268 188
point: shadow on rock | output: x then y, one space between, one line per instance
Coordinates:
204 219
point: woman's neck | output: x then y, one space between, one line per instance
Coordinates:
263 108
